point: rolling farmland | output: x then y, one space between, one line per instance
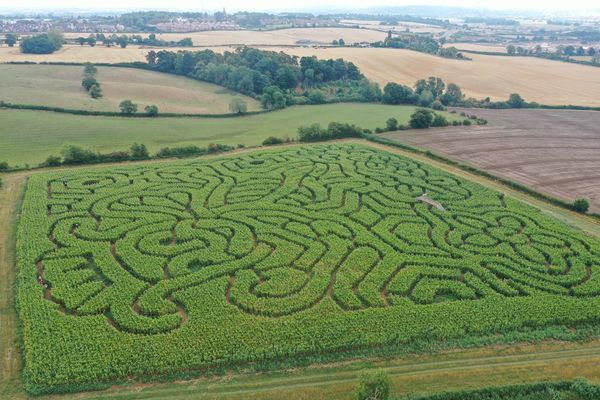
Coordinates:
283 250
544 81
60 86
31 136
554 152
273 37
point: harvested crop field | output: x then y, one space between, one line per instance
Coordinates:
553 151
274 37
272 255
60 86
544 81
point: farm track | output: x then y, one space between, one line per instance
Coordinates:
546 361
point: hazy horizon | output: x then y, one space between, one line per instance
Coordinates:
40 6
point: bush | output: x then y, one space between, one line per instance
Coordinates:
581 205
52 161
439 120
317 96
374 385
272 140
379 130
585 390
139 151
421 119
467 122
238 106
335 130
437 105
391 124
4 166
42 44
88 82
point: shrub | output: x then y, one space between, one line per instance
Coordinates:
4 166
581 205
391 124
128 107
317 96
437 105
439 120
586 391
374 385
88 82
272 140
139 151
421 119
78 155
238 106
515 101
379 130
52 161
467 122
42 44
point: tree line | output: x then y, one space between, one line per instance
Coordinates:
124 40
421 43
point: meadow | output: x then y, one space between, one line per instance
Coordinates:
272 255
60 86
30 136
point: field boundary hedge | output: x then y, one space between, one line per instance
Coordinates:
491 392
476 171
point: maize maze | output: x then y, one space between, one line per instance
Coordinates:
163 268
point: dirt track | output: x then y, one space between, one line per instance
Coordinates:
552 151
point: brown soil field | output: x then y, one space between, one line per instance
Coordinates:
544 81
275 37
552 151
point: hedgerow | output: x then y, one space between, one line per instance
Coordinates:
159 269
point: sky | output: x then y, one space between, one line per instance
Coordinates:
236 5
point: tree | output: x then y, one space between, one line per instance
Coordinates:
151 111
335 42
421 119
569 50
374 385
90 69
128 107
151 57
515 101
591 52
439 121
95 92
580 51
10 39
123 41
81 40
91 41
3 166
77 155
52 161
581 205
88 82
394 93
511 50
342 42
40 44
238 106
139 151
391 124
453 95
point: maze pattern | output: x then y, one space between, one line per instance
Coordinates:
288 229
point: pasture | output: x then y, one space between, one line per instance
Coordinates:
269 255
553 151
30 136
60 86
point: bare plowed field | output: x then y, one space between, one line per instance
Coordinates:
554 152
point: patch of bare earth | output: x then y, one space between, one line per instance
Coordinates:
556 152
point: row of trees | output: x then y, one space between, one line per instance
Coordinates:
568 51
89 82
128 107
45 43
421 43
124 40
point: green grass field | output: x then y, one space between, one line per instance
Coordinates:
60 86
30 136
271 255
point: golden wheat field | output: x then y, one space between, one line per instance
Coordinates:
275 37
544 81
